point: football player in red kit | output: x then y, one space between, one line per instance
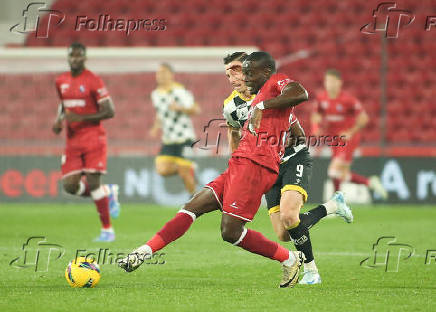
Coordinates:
252 171
85 102
342 115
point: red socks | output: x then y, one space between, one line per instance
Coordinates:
354 178
256 243
172 230
336 184
103 211
358 179
101 200
250 240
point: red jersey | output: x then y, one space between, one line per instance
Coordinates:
338 114
81 95
267 147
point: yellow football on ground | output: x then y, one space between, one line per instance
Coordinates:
82 272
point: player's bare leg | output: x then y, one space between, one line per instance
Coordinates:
233 231
186 172
203 202
335 206
165 167
100 195
71 183
278 227
291 202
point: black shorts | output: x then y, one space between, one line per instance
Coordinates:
294 174
174 152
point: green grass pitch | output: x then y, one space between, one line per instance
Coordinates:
202 273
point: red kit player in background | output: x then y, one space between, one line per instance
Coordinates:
340 114
85 102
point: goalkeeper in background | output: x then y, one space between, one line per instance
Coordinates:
174 107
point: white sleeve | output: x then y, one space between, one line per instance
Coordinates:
153 98
185 98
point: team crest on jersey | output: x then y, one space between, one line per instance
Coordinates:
339 107
64 87
82 88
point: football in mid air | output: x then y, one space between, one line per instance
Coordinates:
236 115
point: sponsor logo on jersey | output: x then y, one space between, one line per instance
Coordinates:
64 87
74 103
324 104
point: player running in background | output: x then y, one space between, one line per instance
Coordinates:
253 169
85 102
289 193
342 115
174 107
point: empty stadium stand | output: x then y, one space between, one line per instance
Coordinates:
329 30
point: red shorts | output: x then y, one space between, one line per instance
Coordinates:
346 152
87 158
239 189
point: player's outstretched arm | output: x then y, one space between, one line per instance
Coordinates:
292 95
57 126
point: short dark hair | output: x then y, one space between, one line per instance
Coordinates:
264 58
333 72
235 56
167 66
77 45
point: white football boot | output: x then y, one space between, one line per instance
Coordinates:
342 210
134 259
310 277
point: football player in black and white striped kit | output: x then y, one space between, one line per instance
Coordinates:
174 107
289 193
